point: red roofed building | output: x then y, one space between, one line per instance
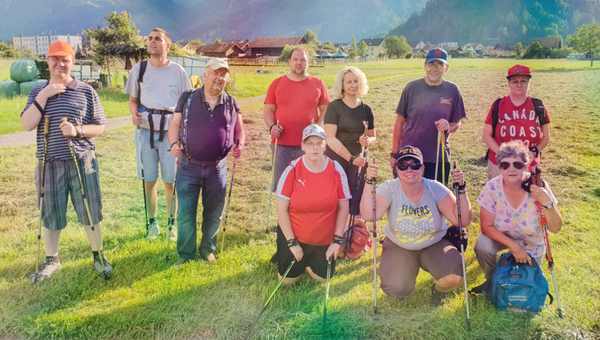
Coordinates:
220 50
273 46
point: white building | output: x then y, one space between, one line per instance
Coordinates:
41 43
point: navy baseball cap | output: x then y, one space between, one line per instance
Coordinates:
437 54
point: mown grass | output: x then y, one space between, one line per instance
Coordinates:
146 298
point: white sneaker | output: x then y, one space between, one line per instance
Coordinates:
173 236
153 231
49 267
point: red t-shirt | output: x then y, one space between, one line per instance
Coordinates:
517 122
297 104
313 199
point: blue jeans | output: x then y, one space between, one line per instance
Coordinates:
211 181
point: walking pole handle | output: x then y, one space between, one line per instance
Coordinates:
46 124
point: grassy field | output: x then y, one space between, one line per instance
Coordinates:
147 299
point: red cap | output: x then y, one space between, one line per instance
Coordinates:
519 70
61 48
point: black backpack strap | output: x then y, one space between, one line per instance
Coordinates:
183 128
495 109
143 65
540 110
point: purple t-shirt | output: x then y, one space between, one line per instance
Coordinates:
207 129
422 105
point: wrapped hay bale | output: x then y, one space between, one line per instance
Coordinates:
9 89
28 85
23 70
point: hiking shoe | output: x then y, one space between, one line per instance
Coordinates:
98 265
437 298
180 263
210 257
173 233
49 267
153 230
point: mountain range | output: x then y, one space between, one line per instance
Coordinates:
207 20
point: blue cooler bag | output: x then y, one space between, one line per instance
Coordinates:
518 287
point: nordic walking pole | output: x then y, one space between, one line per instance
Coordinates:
171 222
362 152
41 200
437 155
237 142
86 205
537 180
443 143
271 297
326 296
462 252
374 244
143 177
272 180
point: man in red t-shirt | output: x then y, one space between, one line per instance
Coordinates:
312 207
517 119
295 100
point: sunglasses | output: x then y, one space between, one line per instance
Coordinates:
506 165
414 166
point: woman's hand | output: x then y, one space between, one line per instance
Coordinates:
520 254
359 161
297 252
372 171
333 250
540 195
458 177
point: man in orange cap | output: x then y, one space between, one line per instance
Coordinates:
65 97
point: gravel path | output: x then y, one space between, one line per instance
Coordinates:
28 137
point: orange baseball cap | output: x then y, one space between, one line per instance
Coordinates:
60 48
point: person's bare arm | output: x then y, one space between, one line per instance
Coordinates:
397 136
487 138
31 118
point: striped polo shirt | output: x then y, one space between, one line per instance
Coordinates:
81 105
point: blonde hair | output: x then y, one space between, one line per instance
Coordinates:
338 86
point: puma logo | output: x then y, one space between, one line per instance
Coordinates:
302 182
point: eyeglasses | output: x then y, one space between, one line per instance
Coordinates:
438 65
506 165
404 166
312 145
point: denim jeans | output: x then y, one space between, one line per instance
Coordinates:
211 181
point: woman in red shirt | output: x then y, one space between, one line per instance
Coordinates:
312 208
517 119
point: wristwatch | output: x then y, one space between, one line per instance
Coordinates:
82 132
549 206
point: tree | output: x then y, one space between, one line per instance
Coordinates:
217 41
118 40
353 46
287 51
363 49
396 46
329 46
196 42
176 50
7 51
534 51
311 37
519 49
586 40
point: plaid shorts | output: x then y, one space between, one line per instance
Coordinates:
60 180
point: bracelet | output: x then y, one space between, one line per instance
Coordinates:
338 242
352 158
395 155
293 242
463 187
39 107
174 143
271 128
371 181
462 192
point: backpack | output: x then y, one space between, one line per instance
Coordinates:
516 287
357 240
539 111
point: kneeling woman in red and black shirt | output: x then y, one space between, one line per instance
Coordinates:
312 208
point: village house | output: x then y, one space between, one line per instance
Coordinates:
375 46
554 42
222 50
273 46
187 47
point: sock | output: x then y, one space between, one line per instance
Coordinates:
95 253
151 220
55 258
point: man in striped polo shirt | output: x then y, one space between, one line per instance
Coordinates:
66 97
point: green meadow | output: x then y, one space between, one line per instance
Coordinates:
148 299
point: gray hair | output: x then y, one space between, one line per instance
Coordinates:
514 148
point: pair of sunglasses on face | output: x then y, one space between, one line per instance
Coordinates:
505 165
404 166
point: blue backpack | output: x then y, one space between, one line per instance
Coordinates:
517 287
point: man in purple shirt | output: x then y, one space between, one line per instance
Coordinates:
205 125
428 106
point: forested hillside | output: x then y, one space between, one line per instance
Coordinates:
503 21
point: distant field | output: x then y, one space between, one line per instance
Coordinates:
147 299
